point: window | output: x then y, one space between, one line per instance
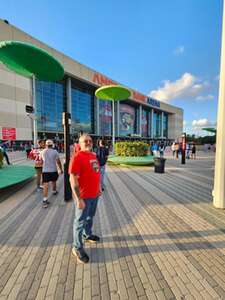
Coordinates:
165 125
157 124
49 106
144 123
81 111
105 117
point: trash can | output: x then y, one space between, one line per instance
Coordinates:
159 164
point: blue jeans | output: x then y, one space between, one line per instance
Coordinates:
83 221
102 172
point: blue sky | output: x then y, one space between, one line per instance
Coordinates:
167 49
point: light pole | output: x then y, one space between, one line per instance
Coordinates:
34 106
219 177
183 148
66 121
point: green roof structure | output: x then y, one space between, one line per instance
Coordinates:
213 130
29 60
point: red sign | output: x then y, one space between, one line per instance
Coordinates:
8 133
102 80
140 97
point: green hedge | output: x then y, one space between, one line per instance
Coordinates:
131 149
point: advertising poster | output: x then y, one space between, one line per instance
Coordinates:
144 123
127 119
8 133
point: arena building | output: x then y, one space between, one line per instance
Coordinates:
137 117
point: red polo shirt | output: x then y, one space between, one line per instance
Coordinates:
86 166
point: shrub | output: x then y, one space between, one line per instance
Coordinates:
131 149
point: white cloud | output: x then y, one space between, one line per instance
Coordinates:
179 50
206 97
186 87
184 123
202 123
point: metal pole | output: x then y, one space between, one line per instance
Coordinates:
183 148
219 177
152 123
140 120
66 124
113 127
162 115
35 116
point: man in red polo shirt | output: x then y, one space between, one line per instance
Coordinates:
84 173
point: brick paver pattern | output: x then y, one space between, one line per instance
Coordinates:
161 239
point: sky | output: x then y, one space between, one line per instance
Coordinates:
167 49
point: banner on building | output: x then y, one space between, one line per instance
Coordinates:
127 119
8 133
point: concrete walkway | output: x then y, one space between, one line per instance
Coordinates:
161 239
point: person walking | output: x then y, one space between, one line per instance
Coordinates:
187 151
193 151
50 159
173 148
27 148
35 154
161 149
155 149
4 147
102 156
84 173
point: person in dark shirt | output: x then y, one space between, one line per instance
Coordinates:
102 156
4 147
193 151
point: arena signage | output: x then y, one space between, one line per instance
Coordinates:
102 80
153 102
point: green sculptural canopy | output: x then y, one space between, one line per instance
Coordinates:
112 92
29 60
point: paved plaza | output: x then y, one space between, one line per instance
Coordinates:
161 239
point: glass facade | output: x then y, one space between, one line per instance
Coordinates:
82 111
157 124
51 102
165 125
49 106
105 117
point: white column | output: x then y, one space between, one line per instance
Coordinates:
140 120
118 118
162 125
149 123
113 126
97 117
219 177
35 135
152 123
